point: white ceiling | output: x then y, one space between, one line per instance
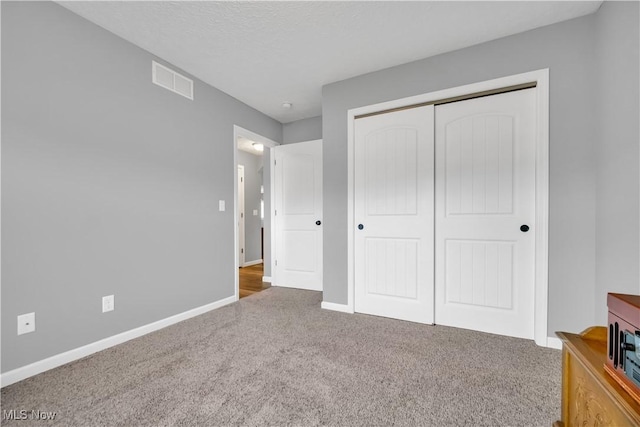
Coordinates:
245 144
265 53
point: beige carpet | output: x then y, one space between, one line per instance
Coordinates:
277 358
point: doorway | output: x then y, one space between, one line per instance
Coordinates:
252 212
251 280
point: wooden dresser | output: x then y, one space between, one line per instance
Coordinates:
590 396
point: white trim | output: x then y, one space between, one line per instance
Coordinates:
541 304
553 342
250 263
303 142
241 223
266 279
272 213
40 366
336 307
304 288
350 210
541 77
239 131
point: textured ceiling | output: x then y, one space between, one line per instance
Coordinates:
265 53
245 144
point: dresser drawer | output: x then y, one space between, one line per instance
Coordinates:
590 404
590 396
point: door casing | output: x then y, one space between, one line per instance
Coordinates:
241 219
541 282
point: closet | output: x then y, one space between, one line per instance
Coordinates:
444 213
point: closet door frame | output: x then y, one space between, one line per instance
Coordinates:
538 79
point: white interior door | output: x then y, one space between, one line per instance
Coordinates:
241 218
485 212
298 215
394 214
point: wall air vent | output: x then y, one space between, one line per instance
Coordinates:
169 79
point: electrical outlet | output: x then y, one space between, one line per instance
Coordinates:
26 323
107 303
221 205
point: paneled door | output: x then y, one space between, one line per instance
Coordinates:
298 215
485 212
394 214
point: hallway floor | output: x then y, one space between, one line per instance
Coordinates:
251 280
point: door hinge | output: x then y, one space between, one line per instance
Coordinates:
276 262
242 251
241 215
274 162
275 212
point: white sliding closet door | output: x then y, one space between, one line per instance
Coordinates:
394 214
485 213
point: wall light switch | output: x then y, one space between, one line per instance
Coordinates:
26 323
221 205
107 303
255 212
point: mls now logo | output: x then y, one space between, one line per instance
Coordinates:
23 414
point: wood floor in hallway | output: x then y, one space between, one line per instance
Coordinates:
251 280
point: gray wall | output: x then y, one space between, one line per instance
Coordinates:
252 224
568 50
302 130
617 213
110 185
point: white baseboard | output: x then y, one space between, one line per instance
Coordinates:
250 263
266 279
553 342
344 308
40 366
304 288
